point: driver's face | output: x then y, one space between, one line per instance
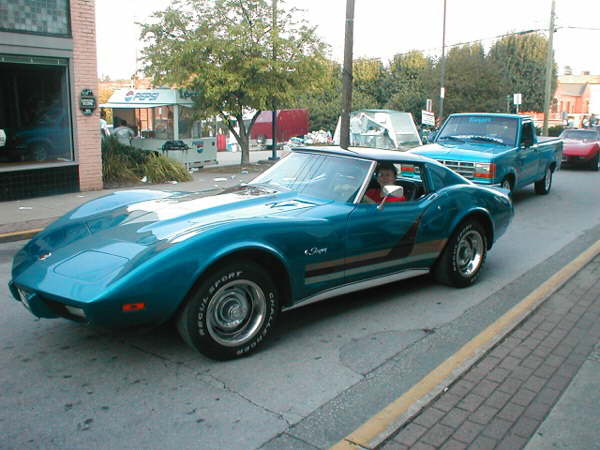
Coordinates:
386 177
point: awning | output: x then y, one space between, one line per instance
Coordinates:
133 105
147 98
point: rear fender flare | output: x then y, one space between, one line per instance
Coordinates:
482 216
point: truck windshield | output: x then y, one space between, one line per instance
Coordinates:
484 129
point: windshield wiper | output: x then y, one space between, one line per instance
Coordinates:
485 139
451 138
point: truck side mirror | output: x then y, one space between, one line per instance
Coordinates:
527 142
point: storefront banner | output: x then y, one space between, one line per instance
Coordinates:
146 98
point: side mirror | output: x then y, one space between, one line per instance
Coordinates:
391 190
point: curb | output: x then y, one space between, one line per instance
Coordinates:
19 235
387 421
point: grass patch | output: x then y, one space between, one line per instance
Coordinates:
126 165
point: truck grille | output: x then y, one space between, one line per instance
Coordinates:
466 169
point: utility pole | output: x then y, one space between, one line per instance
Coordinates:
274 106
443 69
347 77
549 65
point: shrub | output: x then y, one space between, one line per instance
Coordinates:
123 164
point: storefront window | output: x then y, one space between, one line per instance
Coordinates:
163 122
34 110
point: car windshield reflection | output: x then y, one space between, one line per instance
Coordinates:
327 177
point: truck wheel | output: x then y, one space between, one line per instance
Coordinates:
595 163
38 152
460 263
542 187
231 313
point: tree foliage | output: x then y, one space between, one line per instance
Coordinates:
521 60
409 82
472 82
230 54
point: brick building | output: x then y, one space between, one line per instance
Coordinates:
577 97
47 73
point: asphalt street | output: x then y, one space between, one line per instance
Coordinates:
331 366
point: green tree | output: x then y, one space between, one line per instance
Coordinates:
409 82
521 60
224 50
368 75
472 82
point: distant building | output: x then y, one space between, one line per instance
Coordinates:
577 97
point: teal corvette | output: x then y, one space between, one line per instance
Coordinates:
224 266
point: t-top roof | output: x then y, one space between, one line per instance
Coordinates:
374 154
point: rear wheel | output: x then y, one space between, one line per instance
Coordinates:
231 313
595 162
461 261
542 187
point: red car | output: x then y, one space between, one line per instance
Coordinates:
581 147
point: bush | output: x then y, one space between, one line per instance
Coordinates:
555 130
123 164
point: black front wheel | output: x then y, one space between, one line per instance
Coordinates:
460 263
231 313
542 187
595 163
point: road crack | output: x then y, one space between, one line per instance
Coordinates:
226 388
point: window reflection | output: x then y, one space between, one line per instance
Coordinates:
35 113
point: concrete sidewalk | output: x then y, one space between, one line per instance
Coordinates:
20 219
537 388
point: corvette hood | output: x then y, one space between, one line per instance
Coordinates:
99 237
463 151
577 148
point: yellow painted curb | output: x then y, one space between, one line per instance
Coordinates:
19 235
378 428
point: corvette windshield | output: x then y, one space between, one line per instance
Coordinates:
324 176
480 129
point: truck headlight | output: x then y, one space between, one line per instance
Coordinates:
485 170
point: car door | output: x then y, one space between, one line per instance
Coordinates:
382 241
527 156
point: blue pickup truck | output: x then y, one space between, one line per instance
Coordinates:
496 149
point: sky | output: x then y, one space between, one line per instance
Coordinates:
383 28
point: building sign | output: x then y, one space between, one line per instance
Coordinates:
87 102
427 118
148 98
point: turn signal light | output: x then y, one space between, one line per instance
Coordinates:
485 170
129 307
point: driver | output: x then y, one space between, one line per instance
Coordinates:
386 175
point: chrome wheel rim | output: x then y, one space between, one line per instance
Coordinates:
506 184
236 312
548 179
469 254
39 153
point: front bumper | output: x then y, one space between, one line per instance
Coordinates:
43 307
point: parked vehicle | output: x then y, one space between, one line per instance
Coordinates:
223 266
581 147
381 128
49 137
496 149
290 123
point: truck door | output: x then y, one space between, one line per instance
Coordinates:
527 156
